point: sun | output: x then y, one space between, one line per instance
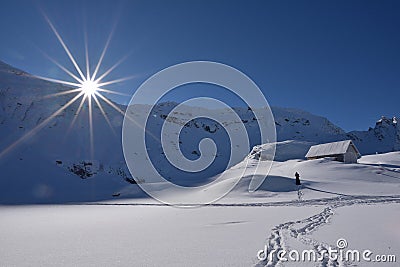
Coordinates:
89 87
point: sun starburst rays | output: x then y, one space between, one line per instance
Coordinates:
88 87
65 47
86 84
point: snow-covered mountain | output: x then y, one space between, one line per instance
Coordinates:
49 160
384 137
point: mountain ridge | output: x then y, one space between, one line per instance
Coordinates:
54 164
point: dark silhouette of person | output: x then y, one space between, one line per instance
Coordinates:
297 175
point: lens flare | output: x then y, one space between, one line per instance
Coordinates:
86 87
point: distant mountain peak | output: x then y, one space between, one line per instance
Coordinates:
385 120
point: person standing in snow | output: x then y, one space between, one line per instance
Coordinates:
297 175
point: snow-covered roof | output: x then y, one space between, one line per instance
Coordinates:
330 149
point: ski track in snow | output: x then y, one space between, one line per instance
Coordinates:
300 229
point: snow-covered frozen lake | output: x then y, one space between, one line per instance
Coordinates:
114 235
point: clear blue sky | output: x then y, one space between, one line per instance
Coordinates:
338 59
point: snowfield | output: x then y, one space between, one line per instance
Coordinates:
91 235
137 235
358 202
